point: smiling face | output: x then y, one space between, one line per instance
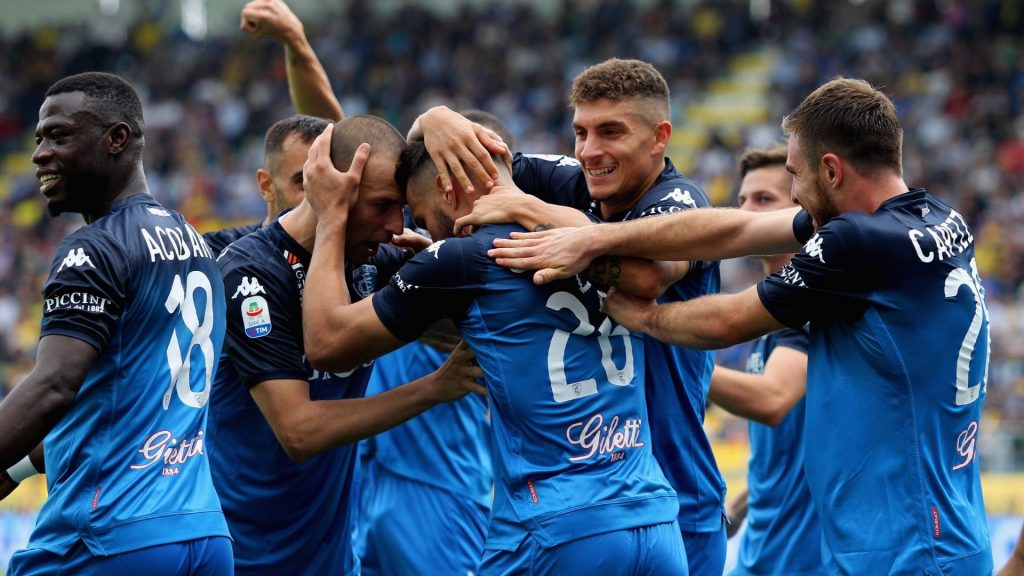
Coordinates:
621 148
809 187
377 214
71 161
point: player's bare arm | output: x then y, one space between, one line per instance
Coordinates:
700 234
43 397
306 428
456 145
308 85
709 322
503 204
767 397
1015 565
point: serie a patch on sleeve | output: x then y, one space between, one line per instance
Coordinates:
256 317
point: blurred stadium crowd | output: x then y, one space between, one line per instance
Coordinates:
954 68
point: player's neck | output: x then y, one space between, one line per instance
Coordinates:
875 192
300 224
127 185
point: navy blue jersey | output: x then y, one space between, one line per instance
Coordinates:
127 466
218 240
783 536
678 379
572 449
286 517
898 359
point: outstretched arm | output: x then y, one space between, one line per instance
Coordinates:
308 84
708 322
699 234
306 427
767 397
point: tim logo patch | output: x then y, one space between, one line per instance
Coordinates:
255 317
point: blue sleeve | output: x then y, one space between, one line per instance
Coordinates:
553 178
87 290
262 319
440 282
803 226
388 260
828 280
793 338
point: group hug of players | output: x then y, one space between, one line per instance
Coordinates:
197 401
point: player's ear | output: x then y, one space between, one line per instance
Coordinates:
832 170
118 137
662 134
264 181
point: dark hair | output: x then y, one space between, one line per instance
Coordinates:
412 162
618 80
355 130
307 128
851 118
754 158
108 96
491 121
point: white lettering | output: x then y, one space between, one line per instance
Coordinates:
596 438
914 235
164 447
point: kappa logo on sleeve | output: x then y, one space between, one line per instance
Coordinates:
435 248
249 287
560 158
76 257
813 247
256 317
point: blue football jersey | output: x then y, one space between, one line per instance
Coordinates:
678 379
572 447
898 358
127 466
783 536
286 517
218 240
451 439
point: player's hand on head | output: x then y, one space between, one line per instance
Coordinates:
411 240
457 375
628 310
499 206
330 192
555 254
460 147
271 19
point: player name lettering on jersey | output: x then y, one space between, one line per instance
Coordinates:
597 438
164 447
174 243
82 301
945 240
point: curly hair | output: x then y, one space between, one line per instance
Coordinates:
618 80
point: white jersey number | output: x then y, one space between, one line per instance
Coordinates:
561 389
181 301
965 392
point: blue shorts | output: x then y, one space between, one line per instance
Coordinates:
415 528
705 552
646 551
200 557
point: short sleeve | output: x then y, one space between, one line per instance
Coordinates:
440 282
795 339
553 178
86 293
803 226
828 280
261 338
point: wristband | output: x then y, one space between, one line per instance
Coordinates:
22 470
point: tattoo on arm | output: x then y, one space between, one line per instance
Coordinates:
606 271
543 227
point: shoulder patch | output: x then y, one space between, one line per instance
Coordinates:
256 317
76 257
681 196
813 248
560 158
435 248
